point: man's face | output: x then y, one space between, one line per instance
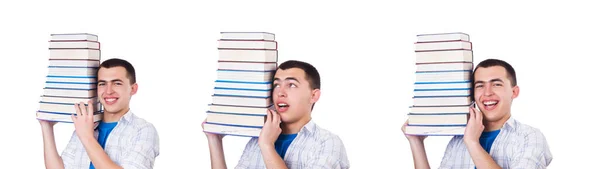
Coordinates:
292 94
493 92
115 89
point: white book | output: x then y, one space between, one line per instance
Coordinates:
238 109
232 130
254 66
64 107
447 92
443 119
242 44
247 36
236 119
246 76
75 63
451 76
74 45
67 100
73 36
443 37
244 85
456 85
247 55
61 117
69 92
445 66
242 92
91 54
435 130
72 71
71 79
439 109
441 101
66 85
241 101
450 45
444 56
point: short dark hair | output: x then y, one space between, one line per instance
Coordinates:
115 62
310 73
510 71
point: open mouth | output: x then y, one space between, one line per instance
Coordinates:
110 100
490 104
282 107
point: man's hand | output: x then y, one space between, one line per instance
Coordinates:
474 127
412 138
84 121
271 130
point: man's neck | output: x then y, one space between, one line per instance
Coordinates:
108 117
294 127
495 125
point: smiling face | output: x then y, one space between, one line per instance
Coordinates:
293 96
115 89
493 92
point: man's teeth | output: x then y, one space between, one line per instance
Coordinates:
110 100
282 105
489 103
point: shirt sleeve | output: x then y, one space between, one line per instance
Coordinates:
68 154
143 150
251 155
534 153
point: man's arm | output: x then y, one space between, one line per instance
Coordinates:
266 141
215 146
84 127
51 157
417 148
473 131
535 152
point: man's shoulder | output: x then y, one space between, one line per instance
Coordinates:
325 136
523 130
139 124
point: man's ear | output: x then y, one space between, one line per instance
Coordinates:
134 88
316 94
515 92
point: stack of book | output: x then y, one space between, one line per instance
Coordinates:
442 90
72 71
242 92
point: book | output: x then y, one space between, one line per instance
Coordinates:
435 130
444 66
442 92
242 101
72 71
63 92
247 44
247 76
65 118
74 44
238 109
74 63
443 76
75 54
443 85
251 66
439 109
247 36
64 108
67 100
445 56
236 119
437 37
243 85
441 101
437 119
73 37
70 79
71 85
440 46
247 55
234 130
242 92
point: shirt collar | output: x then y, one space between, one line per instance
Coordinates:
309 127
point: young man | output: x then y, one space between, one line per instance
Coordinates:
289 137
492 138
133 142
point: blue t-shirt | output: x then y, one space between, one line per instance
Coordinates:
283 142
486 140
104 130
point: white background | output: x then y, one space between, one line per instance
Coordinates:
364 52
